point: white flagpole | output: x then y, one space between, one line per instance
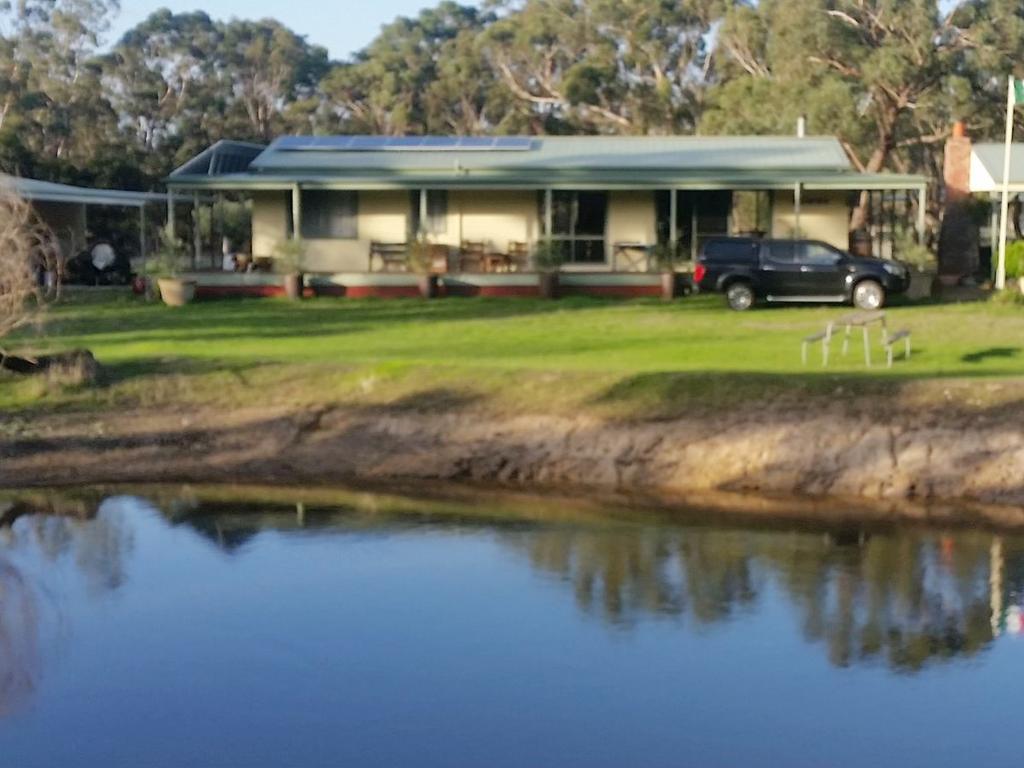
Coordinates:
1005 203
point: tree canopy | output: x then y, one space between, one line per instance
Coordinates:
886 77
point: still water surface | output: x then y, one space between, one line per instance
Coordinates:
170 631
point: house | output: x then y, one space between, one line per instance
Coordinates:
973 181
605 201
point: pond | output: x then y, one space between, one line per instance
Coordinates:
209 627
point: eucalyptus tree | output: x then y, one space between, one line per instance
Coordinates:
993 35
53 102
418 75
883 76
607 66
266 68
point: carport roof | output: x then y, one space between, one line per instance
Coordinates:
48 191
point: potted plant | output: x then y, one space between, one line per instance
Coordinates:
664 257
418 259
548 256
288 257
922 263
166 266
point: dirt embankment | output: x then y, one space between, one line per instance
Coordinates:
938 456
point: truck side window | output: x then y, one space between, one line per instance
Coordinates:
818 255
729 250
783 251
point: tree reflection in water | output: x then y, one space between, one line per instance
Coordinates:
902 597
96 542
907 597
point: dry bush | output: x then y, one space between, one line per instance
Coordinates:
28 250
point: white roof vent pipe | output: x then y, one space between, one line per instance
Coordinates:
801 126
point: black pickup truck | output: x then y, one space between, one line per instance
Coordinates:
748 269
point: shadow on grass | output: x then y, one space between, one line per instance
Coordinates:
435 400
270 318
997 353
674 394
124 371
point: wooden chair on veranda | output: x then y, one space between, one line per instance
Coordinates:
518 256
471 255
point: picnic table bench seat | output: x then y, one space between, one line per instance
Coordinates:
901 335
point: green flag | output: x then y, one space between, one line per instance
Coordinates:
1018 91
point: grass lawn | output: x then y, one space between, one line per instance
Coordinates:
619 359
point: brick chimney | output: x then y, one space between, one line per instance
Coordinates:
958 235
956 169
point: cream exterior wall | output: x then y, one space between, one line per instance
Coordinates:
496 217
823 216
383 216
632 218
269 221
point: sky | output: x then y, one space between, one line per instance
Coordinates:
341 26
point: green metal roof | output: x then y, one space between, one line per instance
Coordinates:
605 162
48 191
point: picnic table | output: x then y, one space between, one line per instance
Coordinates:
863 320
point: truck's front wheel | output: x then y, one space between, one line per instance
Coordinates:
868 294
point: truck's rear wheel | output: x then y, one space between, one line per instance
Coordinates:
740 296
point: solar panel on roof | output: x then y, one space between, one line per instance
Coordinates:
513 142
476 142
440 142
403 143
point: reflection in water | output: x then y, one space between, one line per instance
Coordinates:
906 597
30 549
19 638
353 629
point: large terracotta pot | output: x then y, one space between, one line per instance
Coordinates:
175 292
428 286
669 285
293 286
547 285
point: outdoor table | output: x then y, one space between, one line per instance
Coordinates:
863 320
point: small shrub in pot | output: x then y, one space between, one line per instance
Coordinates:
165 266
418 259
548 257
289 256
664 257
